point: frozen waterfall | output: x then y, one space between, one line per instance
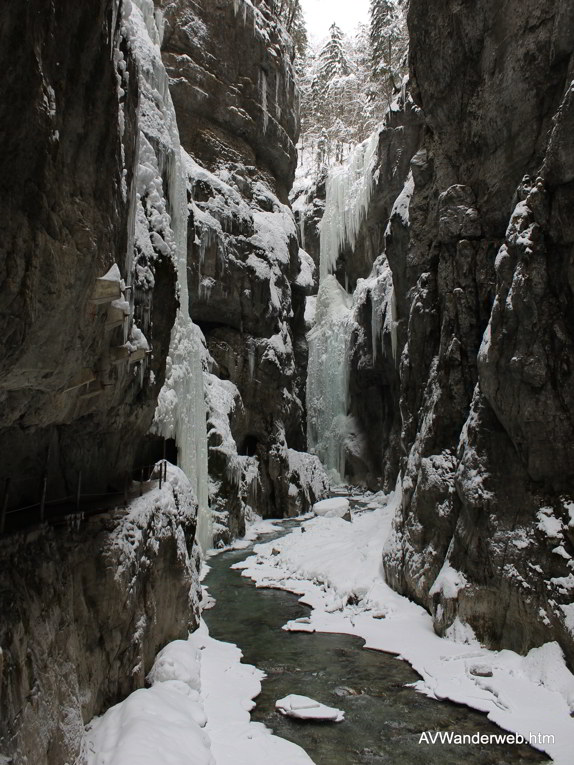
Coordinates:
349 189
181 412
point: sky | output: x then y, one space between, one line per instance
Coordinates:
320 14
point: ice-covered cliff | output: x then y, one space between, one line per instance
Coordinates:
248 277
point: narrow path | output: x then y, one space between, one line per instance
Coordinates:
383 717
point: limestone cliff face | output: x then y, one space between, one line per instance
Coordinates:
75 396
472 300
233 86
87 305
85 608
232 82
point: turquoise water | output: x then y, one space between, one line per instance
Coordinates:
383 717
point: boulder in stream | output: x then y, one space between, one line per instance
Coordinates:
304 708
336 507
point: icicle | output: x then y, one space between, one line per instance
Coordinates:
349 189
181 411
277 88
376 322
394 324
263 88
302 228
251 357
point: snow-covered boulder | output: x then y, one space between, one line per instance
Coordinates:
336 507
304 708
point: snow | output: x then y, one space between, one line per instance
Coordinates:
196 712
310 311
448 582
336 569
304 708
337 507
162 507
137 339
113 275
306 277
157 724
180 413
403 201
548 523
273 231
308 472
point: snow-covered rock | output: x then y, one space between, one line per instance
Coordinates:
336 507
304 708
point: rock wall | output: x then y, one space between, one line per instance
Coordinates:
461 373
89 297
86 606
248 278
77 388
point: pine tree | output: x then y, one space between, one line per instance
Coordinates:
290 13
333 62
341 102
388 37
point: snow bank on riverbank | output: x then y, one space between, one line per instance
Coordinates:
196 712
336 567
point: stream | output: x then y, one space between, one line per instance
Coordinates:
383 716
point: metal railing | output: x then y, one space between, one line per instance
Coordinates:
76 503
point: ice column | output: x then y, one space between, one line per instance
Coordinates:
327 377
349 189
181 412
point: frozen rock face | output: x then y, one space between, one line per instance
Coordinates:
367 445
248 277
85 609
481 265
233 86
77 385
460 367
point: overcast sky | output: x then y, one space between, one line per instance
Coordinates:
320 14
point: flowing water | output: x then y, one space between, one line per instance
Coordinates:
383 716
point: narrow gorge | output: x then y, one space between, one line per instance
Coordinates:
208 322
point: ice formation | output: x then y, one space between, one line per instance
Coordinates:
181 406
336 507
327 376
349 189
